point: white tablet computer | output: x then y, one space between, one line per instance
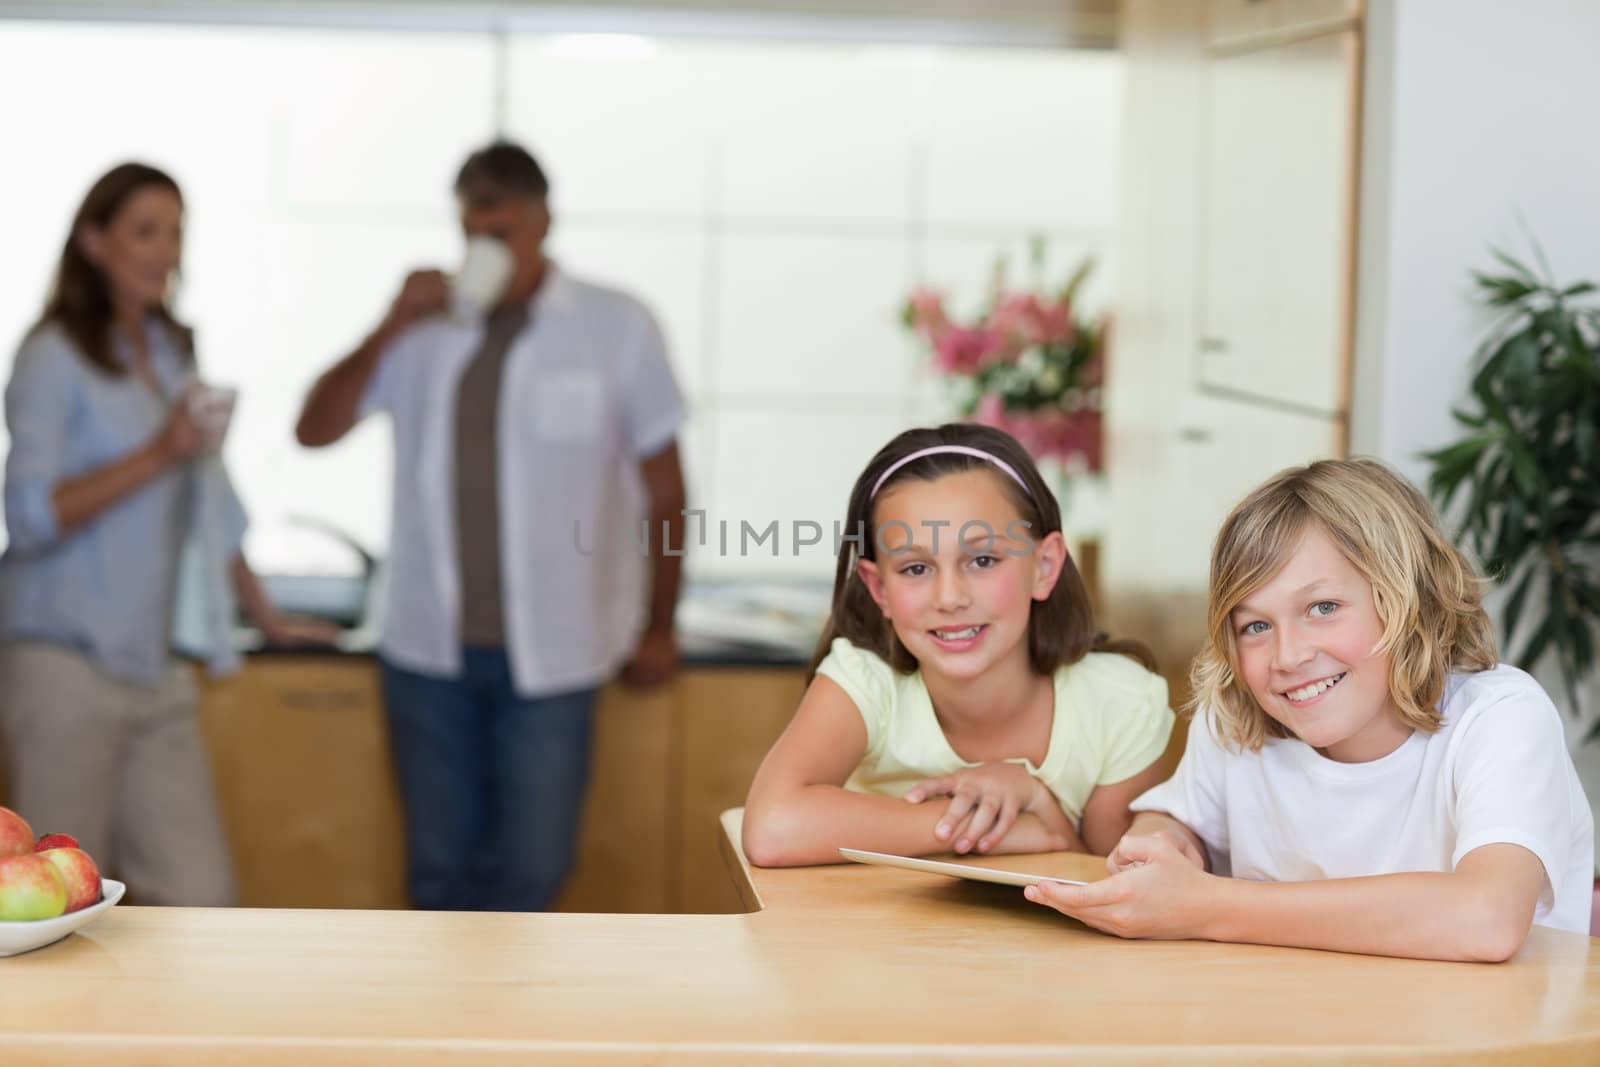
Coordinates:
953 870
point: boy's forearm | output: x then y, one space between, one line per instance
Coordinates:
1424 915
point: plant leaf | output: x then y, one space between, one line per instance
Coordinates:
1516 267
1514 605
1502 291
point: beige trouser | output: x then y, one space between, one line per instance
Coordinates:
120 767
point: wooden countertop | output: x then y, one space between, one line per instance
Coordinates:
844 964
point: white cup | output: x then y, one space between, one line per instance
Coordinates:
211 408
485 271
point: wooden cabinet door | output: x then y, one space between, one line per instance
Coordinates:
627 834
730 719
1277 223
300 755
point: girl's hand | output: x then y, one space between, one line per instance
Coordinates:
1134 845
1158 893
984 803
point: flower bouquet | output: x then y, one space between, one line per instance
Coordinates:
1027 364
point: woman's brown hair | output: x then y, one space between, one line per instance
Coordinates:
1061 628
80 299
1427 594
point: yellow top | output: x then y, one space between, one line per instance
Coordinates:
1111 722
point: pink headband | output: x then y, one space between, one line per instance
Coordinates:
961 450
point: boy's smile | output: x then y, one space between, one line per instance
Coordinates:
1305 644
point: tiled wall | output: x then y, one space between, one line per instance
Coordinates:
773 202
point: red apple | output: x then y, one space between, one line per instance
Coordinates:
49 841
30 888
79 874
16 836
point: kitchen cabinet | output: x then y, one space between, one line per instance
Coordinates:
301 761
1277 223
730 718
300 756
1234 305
1239 21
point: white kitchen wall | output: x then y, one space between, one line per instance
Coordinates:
801 192
1474 137
774 203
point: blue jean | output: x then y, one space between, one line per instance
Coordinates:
492 784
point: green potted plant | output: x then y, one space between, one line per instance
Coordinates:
1525 477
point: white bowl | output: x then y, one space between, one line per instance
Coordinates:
18 937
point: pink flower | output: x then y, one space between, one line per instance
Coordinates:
991 411
1027 320
925 312
964 350
1054 323
1048 432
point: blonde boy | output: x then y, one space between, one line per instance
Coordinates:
1369 776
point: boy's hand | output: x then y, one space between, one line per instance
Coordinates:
1159 893
984 803
1122 859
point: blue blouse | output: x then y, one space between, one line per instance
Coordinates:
109 588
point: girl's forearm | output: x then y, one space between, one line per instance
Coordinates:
809 825
1060 834
1441 916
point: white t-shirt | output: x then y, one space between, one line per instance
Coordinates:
587 394
1497 771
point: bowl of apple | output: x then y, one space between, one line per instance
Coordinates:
49 887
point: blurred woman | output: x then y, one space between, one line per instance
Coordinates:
113 486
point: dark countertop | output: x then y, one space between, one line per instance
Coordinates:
696 653
721 624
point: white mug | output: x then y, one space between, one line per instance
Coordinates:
211 408
485 271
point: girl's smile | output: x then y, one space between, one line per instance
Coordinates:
959 639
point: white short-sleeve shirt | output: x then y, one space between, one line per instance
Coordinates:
587 393
1497 771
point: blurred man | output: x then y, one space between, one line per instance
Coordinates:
530 438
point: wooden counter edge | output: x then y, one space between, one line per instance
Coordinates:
744 882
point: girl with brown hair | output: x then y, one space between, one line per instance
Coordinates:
962 699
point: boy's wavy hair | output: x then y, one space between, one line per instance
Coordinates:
1428 595
1061 628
